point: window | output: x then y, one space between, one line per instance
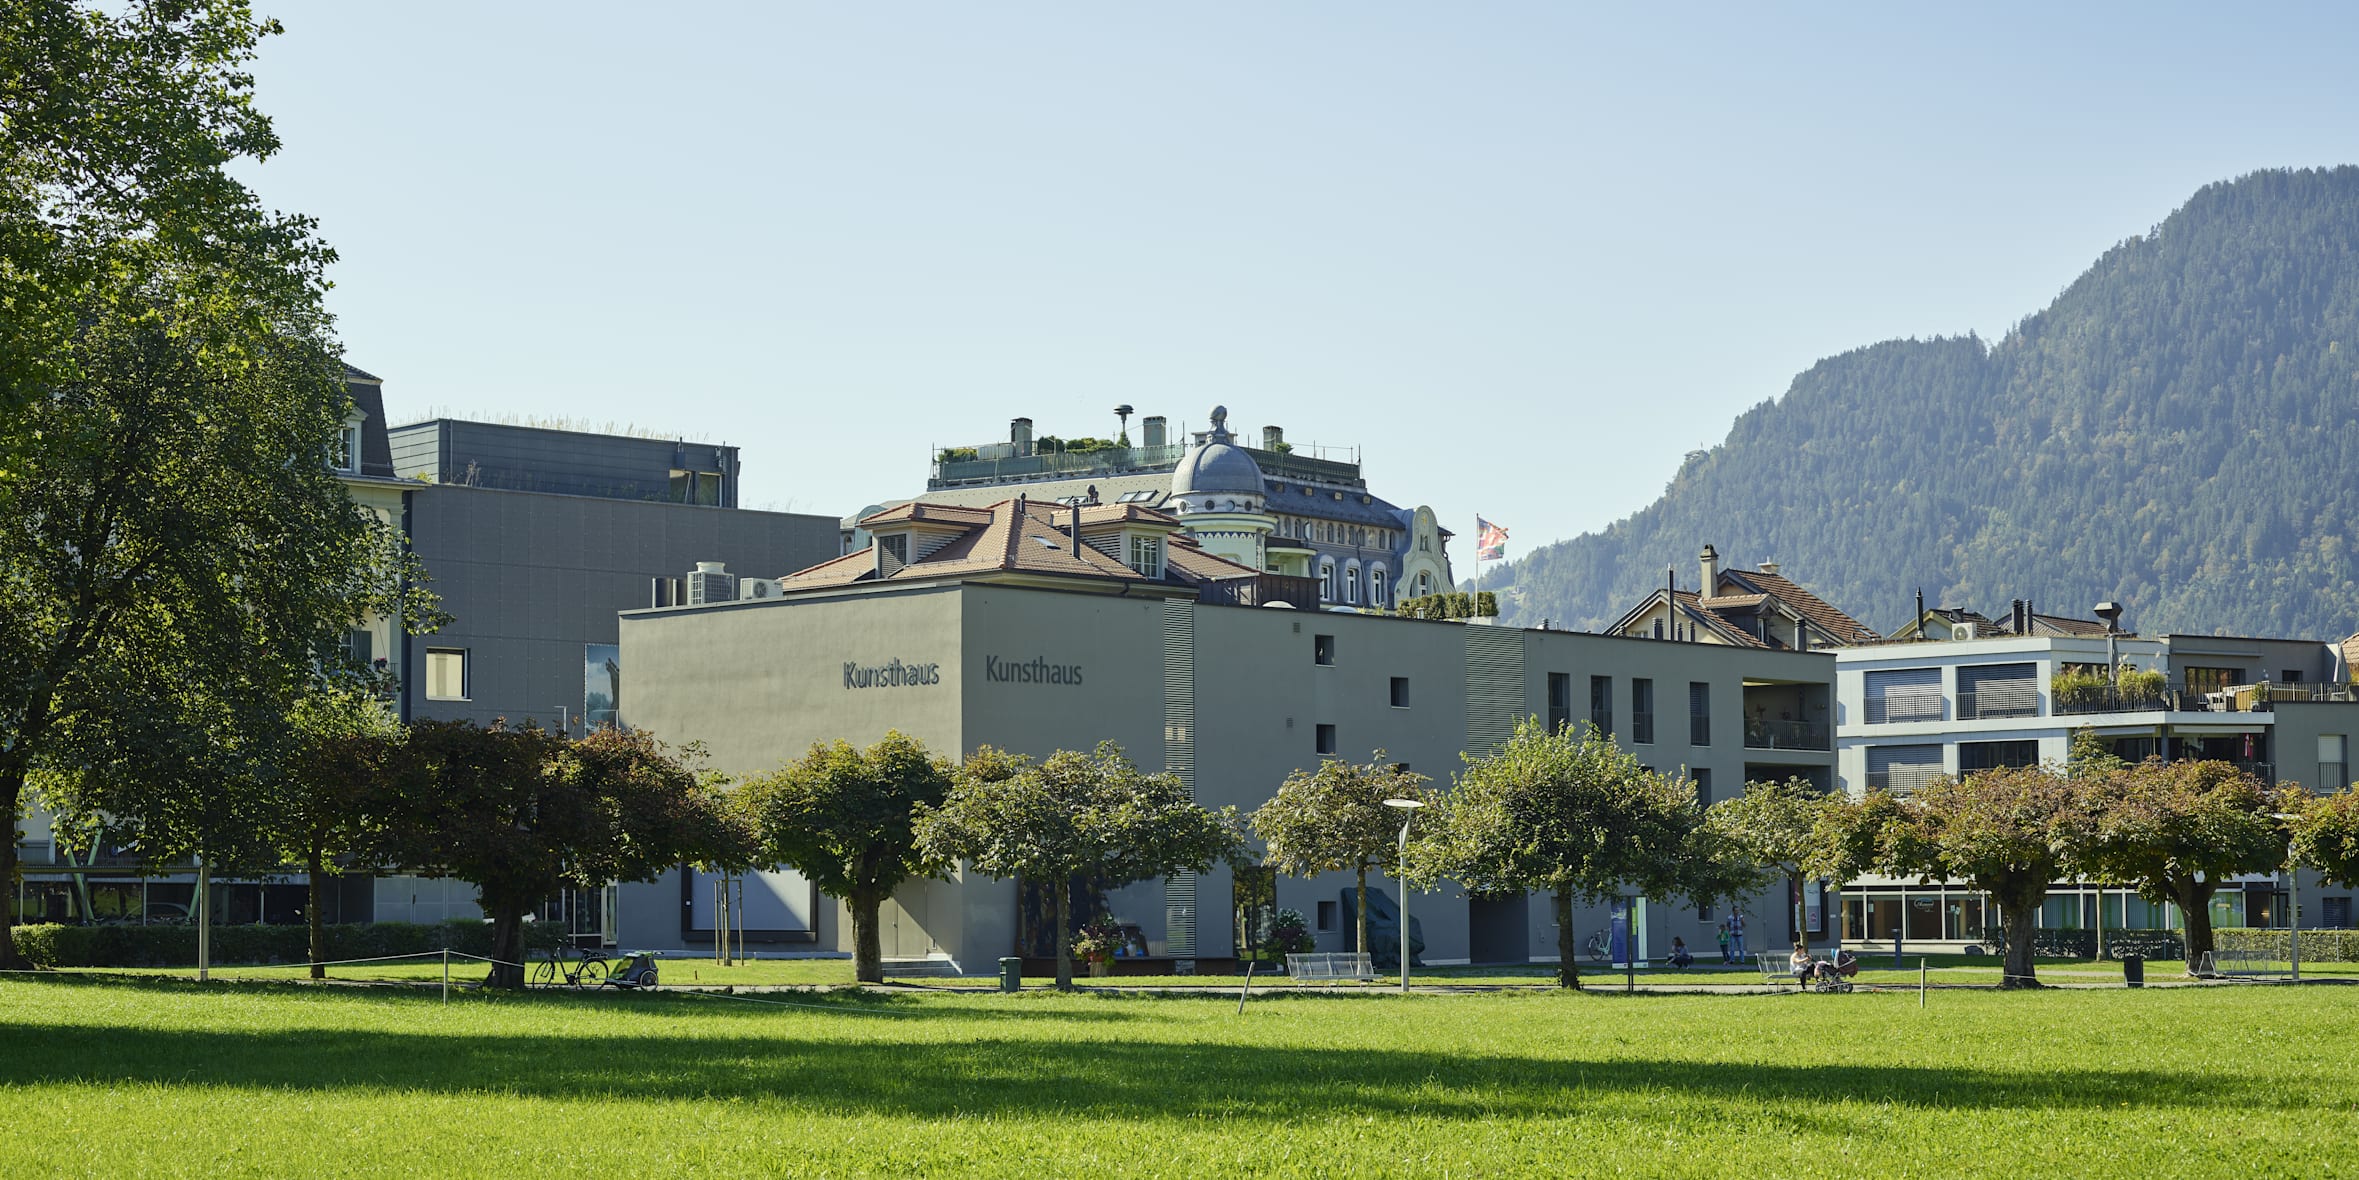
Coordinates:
346 454
895 547
2212 679
1902 769
1326 579
1325 737
2334 767
1376 585
446 674
2289 676
1323 650
1998 690
696 487
1400 692
2334 913
1601 704
1146 556
359 647
1560 701
1699 714
1642 711
1329 911
1351 584
1702 777
1973 756
1400 768
1904 694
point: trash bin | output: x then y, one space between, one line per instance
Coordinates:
2133 970
1011 974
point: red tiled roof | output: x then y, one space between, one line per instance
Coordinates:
1810 606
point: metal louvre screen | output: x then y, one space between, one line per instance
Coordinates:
1904 694
1179 757
1902 769
1494 687
1179 915
1999 690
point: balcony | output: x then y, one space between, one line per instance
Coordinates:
1299 593
1895 710
1994 706
1787 735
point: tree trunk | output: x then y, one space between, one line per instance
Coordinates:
319 931
1064 909
507 950
1362 944
12 789
2020 920
1568 963
2195 906
868 947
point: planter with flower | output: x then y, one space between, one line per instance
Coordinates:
1095 944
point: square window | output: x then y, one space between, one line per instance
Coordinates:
1326 739
446 674
1323 649
1400 692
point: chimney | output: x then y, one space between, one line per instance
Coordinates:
1710 560
1077 530
1272 438
1152 431
1770 568
2019 617
1019 432
1920 623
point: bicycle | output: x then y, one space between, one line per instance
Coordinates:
1596 946
587 970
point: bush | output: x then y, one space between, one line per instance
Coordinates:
2142 687
2318 946
2078 690
176 945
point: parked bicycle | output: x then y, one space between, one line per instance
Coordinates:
572 966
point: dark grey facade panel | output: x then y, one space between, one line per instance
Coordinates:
558 462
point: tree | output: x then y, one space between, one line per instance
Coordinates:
1769 832
347 751
522 814
1334 818
121 130
1574 816
2326 832
175 555
846 818
2008 832
1073 814
2177 831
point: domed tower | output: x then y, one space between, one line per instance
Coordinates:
1218 495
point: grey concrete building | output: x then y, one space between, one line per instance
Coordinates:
1231 698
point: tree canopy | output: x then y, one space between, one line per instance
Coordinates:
1073 814
2177 832
847 819
1333 819
2326 833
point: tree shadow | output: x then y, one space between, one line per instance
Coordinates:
869 1070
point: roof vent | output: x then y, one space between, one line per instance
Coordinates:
708 583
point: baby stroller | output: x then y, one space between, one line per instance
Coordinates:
1835 976
637 970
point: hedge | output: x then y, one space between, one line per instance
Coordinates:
176 945
2082 944
2318 946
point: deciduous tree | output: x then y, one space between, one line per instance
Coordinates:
2326 832
846 818
1573 816
346 751
1771 832
1073 814
2177 832
1333 819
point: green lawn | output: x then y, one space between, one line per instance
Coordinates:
127 1077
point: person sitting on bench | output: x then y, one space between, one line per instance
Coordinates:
1800 963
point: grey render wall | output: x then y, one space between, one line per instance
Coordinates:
530 579
759 682
562 462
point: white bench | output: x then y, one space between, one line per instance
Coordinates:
1776 970
1330 968
2243 962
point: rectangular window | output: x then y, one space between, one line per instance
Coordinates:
1642 711
895 547
1323 649
1146 556
2289 676
1325 736
1699 713
696 487
1702 777
2334 766
1560 701
1902 769
1328 912
1998 690
2212 679
1974 756
1601 704
2334 913
446 674
1904 694
359 647
1400 692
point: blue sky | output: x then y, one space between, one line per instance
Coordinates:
1525 256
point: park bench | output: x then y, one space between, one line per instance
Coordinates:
1775 970
2241 963
1330 968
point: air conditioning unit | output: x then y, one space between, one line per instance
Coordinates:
708 583
1961 631
757 588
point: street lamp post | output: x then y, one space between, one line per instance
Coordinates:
2293 892
1400 865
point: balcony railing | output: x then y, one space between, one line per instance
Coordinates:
1978 707
1300 593
1882 711
1786 735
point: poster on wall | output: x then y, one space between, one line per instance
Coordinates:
1814 906
601 684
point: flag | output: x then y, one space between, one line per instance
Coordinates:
1490 541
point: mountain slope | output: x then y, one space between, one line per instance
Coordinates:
2178 431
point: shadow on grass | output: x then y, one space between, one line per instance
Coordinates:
1016 1075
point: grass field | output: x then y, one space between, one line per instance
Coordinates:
126 1077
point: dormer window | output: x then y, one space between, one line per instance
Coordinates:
345 455
895 546
1146 556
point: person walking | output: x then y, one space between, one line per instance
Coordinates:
1736 932
1724 959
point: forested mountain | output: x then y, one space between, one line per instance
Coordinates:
2178 431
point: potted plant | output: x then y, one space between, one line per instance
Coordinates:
1095 942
